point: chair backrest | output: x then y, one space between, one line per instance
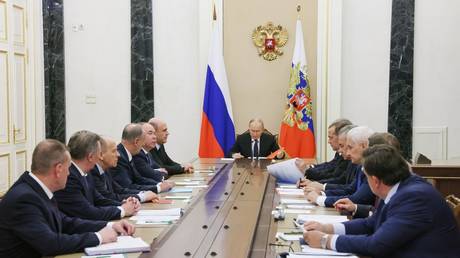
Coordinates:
454 204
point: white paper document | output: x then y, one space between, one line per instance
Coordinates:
155 218
178 197
300 207
318 251
296 211
321 218
181 190
288 186
294 201
165 212
286 171
105 256
182 183
124 244
289 236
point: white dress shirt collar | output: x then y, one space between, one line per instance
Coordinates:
391 193
42 185
99 168
79 169
130 157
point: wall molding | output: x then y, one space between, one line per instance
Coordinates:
430 141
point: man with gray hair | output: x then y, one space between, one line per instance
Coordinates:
80 198
358 191
125 173
31 224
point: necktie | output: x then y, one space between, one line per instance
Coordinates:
255 152
149 159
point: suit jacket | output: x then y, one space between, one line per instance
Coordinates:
32 226
323 170
163 160
416 222
80 199
358 191
110 189
343 174
126 175
147 169
243 145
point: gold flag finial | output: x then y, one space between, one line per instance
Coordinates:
298 8
214 15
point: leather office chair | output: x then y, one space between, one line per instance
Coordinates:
454 204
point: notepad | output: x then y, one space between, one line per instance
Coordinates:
165 212
182 183
318 251
152 222
178 197
288 186
296 211
181 190
300 207
124 244
294 201
196 186
105 256
321 218
290 236
155 218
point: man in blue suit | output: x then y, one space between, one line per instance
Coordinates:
125 173
104 182
80 198
411 220
31 224
358 191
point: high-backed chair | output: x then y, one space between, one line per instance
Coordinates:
454 203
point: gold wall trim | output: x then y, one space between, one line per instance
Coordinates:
7 98
9 171
5 39
25 102
23 12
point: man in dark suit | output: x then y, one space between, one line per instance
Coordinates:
338 164
31 224
104 182
358 191
255 143
80 198
125 173
159 154
143 161
412 218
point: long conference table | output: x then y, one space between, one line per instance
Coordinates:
231 217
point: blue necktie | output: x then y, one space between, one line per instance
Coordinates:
255 152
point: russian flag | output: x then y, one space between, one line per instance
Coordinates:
217 129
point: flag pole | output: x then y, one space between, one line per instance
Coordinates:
298 11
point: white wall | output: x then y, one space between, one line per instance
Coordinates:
178 73
366 35
97 65
436 70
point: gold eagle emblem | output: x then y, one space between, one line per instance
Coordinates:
269 39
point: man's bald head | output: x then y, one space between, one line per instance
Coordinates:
47 154
161 130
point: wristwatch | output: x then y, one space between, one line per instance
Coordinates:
323 241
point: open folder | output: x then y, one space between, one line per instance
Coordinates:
124 244
285 171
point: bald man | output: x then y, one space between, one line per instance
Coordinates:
31 224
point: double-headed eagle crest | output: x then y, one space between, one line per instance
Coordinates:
269 39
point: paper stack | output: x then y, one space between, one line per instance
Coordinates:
124 244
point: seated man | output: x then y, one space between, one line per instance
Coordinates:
31 224
327 169
362 210
80 198
412 218
143 161
159 154
255 143
104 182
125 173
358 191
